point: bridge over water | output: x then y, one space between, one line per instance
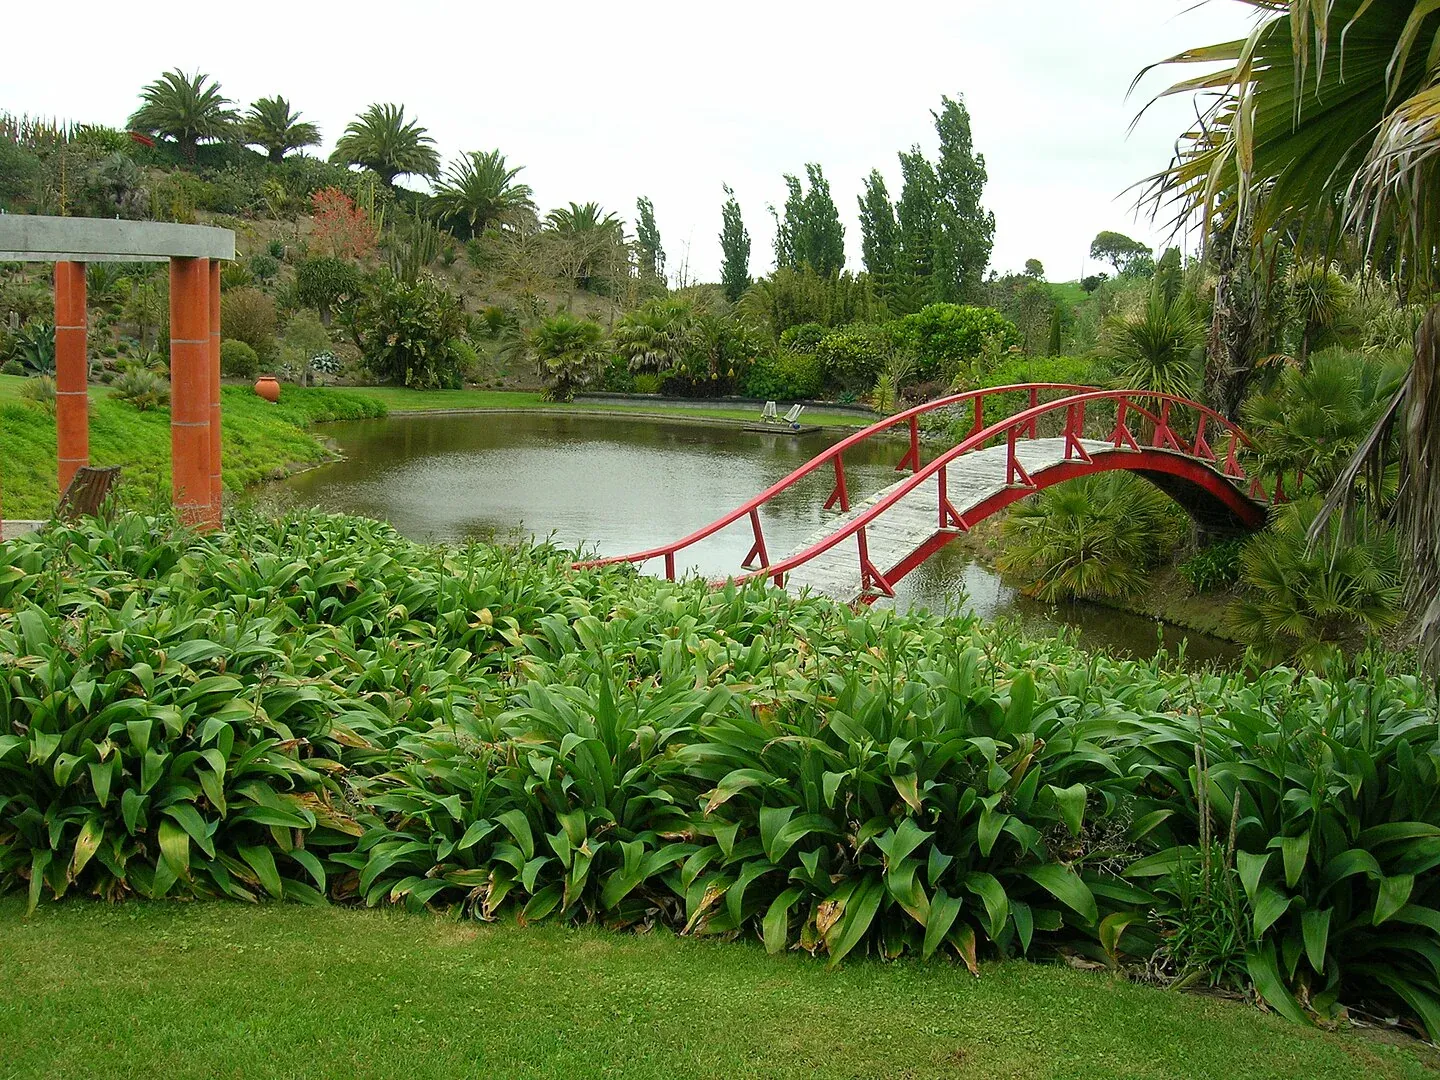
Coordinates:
1056 432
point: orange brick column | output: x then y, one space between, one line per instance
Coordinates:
216 488
190 389
72 405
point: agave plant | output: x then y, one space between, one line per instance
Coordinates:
277 129
479 191
187 109
382 140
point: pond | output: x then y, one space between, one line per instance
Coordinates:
620 484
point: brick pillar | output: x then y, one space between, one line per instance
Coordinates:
190 389
216 488
72 405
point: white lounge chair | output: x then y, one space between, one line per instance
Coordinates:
768 414
793 416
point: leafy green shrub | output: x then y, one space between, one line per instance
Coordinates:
1089 538
618 378
944 338
495 320
853 357
142 389
405 330
1217 567
327 283
39 392
803 338
785 376
264 266
646 383
12 367
238 360
276 250
1326 792
249 315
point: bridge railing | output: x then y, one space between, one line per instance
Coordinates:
1161 432
835 458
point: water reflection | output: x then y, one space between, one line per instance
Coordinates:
619 485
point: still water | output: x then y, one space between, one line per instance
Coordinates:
616 485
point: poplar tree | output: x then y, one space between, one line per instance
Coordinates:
649 253
966 230
823 239
879 236
734 248
915 218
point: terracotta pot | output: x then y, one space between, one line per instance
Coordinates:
268 388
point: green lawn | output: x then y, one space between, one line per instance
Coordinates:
225 990
260 440
400 399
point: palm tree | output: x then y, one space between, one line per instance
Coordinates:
1313 421
380 139
1158 348
1327 121
566 351
479 190
583 218
271 125
1301 599
654 337
184 108
591 240
1089 538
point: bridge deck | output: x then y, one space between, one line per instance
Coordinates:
903 528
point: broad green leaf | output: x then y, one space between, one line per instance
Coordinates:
1251 867
1065 885
777 919
1270 904
175 848
1316 927
860 911
992 895
944 909
1393 895
1071 801
1260 962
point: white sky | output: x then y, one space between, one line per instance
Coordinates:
608 102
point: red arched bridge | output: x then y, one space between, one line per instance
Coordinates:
1189 451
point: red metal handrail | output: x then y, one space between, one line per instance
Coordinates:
835 454
1164 438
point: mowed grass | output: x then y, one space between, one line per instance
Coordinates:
223 990
399 399
260 441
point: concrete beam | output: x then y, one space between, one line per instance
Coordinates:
34 238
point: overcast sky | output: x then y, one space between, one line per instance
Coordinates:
609 102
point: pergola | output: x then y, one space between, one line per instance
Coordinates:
194 253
